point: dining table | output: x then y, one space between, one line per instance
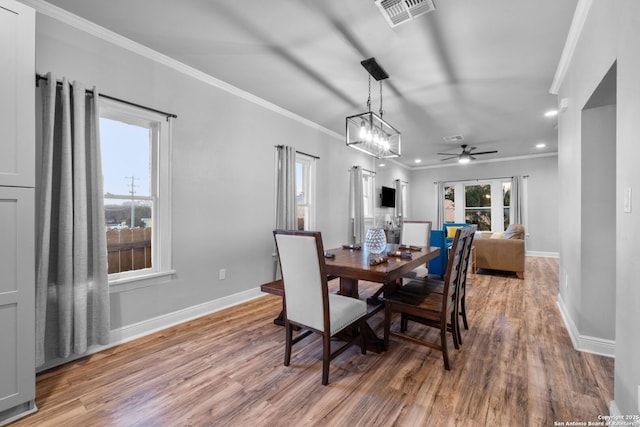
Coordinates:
352 263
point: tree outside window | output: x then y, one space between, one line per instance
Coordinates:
506 202
478 206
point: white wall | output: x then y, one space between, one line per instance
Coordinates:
542 186
610 33
598 225
222 172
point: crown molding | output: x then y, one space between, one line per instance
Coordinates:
579 18
96 30
475 162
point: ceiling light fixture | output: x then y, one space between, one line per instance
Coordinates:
464 158
551 113
541 145
367 131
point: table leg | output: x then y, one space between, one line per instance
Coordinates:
349 287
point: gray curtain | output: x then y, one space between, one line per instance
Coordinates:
286 188
355 225
439 205
72 289
285 195
516 200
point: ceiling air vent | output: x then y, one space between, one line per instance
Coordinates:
397 12
453 138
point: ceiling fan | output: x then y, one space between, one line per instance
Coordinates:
466 155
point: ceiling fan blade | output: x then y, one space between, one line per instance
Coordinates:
485 152
448 154
449 158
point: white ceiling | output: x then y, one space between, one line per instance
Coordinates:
478 68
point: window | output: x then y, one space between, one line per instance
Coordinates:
478 206
506 203
404 191
368 191
449 204
305 191
135 166
484 203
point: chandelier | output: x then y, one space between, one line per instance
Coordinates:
369 132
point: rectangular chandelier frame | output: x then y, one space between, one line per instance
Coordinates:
370 134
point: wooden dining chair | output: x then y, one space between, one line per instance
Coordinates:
416 233
307 301
433 284
417 303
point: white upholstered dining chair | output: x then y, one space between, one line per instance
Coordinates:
416 233
307 301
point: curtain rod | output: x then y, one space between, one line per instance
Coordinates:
479 179
404 182
300 152
366 170
113 98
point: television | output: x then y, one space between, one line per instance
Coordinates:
388 197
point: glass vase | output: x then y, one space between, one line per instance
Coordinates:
376 240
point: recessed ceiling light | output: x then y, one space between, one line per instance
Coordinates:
381 165
541 145
551 113
418 160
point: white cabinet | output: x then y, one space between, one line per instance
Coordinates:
17 80
17 289
17 229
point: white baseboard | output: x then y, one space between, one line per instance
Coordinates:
149 326
585 343
543 254
21 411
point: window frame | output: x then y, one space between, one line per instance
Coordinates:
160 189
309 189
497 201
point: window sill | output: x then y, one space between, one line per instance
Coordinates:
140 281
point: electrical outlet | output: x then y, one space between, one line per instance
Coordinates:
222 274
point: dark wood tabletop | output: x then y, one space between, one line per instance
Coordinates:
352 265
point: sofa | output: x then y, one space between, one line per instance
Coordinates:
438 265
444 240
501 251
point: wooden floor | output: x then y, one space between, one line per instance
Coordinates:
517 367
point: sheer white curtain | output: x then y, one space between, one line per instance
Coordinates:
72 289
439 205
355 225
286 188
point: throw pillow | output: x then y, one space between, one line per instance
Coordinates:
499 235
514 231
451 232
